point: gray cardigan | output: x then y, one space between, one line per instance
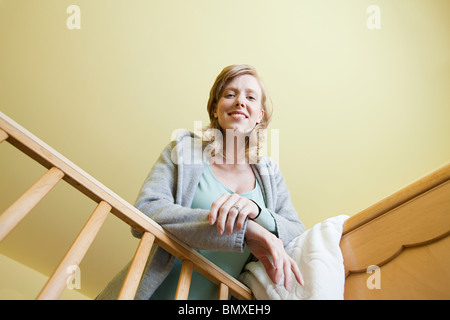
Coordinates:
166 197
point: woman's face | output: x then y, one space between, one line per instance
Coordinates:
239 107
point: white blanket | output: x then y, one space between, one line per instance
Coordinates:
319 259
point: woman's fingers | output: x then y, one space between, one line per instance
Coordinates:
223 213
229 211
271 271
245 211
297 273
216 205
287 275
230 219
227 214
289 267
276 251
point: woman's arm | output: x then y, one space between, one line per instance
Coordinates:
157 200
269 249
263 244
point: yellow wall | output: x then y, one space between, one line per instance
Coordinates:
19 282
360 113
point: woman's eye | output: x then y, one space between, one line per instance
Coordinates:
230 95
251 98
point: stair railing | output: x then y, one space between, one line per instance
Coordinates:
60 168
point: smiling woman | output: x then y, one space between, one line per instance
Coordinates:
229 210
238 105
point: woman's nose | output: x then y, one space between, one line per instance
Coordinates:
239 101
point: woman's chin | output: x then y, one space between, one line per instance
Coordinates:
236 130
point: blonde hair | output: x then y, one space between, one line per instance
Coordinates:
257 134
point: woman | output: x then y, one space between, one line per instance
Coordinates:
220 197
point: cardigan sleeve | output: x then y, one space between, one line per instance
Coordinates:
157 200
288 224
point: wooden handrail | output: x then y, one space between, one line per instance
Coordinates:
80 180
400 197
3 136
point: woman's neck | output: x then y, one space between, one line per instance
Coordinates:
234 148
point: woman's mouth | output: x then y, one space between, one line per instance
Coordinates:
238 115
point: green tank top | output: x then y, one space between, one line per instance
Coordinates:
209 189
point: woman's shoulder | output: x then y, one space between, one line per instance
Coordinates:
267 166
185 146
180 135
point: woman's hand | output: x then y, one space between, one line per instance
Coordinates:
224 210
264 245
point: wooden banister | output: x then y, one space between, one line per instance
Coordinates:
19 209
108 201
3 136
58 281
136 270
184 282
223 292
398 198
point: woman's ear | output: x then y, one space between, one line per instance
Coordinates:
261 116
215 110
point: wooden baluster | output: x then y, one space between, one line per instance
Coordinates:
223 292
3 136
58 281
134 274
184 282
19 209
